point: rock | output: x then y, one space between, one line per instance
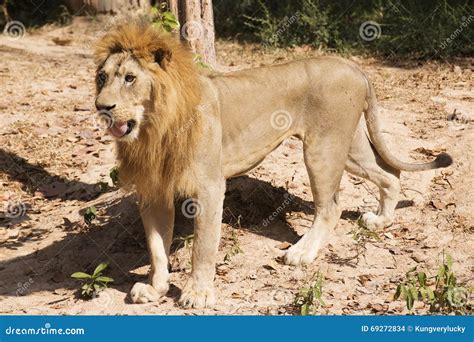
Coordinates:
252 275
298 274
377 307
222 270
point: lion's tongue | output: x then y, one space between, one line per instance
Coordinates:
118 129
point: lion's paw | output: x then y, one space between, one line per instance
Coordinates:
300 254
193 298
374 222
144 293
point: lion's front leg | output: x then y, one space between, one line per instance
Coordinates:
199 289
158 221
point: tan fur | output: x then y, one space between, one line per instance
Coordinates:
158 162
196 131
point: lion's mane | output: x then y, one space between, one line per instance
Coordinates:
159 162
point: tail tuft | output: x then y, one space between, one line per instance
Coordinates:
443 160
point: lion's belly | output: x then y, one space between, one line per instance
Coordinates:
257 114
240 158
234 170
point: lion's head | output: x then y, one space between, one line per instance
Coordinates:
148 86
124 93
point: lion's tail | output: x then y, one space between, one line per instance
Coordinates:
442 160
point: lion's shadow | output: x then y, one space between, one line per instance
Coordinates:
35 178
118 237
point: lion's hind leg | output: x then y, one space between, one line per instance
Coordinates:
365 162
325 164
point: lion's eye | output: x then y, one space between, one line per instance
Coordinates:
129 78
101 78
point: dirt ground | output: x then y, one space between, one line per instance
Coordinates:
53 152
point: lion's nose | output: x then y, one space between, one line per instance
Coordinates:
104 106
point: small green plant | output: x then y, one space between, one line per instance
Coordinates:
306 22
63 16
93 283
103 186
265 27
199 61
90 214
362 235
234 247
309 299
187 240
441 292
422 28
163 19
114 176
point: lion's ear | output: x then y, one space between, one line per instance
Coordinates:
162 57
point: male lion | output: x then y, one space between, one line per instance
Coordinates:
179 133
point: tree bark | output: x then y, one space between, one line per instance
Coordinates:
208 46
173 7
5 10
106 6
197 26
195 16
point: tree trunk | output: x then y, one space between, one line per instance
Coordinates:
106 6
195 16
197 26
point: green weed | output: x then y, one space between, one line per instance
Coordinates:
309 299
93 283
441 292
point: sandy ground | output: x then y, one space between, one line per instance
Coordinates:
53 153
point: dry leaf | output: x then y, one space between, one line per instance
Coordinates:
61 41
437 204
284 245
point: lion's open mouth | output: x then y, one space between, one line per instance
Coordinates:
120 129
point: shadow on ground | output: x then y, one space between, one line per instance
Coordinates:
117 237
36 178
